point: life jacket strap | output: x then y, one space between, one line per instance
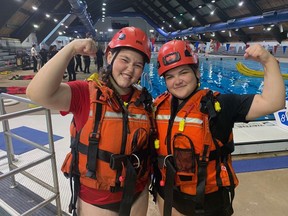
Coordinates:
94 141
202 173
128 190
168 188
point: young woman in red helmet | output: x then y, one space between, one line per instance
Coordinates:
194 173
112 124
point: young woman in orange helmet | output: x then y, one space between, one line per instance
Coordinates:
194 173
110 132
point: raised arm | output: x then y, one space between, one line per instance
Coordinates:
46 88
273 94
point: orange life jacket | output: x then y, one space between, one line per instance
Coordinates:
190 159
112 150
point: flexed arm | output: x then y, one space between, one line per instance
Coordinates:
46 88
273 94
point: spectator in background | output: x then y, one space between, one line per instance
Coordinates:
78 62
71 70
99 58
52 51
34 56
87 62
44 56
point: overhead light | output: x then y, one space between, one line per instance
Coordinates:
47 15
281 28
36 26
241 3
34 8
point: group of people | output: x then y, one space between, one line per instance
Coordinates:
123 143
43 56
75 64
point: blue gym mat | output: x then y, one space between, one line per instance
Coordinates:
31 134
260 164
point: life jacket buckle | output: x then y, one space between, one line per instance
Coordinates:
117 161
166 157
94 138
136 164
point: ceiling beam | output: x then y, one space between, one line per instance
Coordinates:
224 18
175 14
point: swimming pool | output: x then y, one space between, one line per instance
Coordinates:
217 75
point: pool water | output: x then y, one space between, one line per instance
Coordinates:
217 75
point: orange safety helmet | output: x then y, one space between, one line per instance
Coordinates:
173 54
131 37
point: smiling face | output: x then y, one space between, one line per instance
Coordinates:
181 81
127 68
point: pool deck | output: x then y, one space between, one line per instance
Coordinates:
259 192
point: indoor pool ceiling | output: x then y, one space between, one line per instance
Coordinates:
194 19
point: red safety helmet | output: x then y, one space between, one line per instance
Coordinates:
173 54
131 37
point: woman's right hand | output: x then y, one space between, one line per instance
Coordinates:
84 47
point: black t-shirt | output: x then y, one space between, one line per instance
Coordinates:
234 108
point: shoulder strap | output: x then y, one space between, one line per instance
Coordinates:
94 141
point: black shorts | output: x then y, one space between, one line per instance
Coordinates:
215 204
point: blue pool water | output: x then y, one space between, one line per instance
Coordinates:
217 75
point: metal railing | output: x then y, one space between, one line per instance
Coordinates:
13 168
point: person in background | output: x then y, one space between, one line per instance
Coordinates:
52 51
87 63
34 56
78 59
44 56
71 70
111 127
194 173
99 58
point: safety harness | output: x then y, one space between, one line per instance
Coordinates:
128 167
182 167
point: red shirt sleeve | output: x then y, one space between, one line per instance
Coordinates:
80 102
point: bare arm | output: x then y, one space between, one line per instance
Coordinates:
273 94
46 88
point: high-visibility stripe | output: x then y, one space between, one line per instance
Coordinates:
178 119
120 115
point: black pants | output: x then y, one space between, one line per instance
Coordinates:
78 65
34 63
71 72
87 65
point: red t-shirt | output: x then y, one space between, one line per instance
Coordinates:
80 105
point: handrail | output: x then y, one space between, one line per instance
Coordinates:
14 169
